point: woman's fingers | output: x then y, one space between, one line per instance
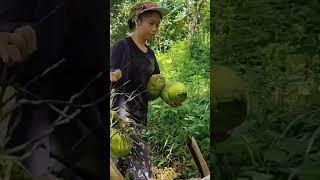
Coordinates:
115 75
19 41
29 36
112 78
14 55
17 46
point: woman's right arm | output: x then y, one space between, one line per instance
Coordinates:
117 54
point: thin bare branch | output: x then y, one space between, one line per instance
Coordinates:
47 132
29 153
45 72
2 88
26 144
17 121
8 100
67 120
63 116
82 91
47 101
99 100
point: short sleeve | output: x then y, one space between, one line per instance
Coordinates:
120 59
117 56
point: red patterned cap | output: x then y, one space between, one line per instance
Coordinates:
142 7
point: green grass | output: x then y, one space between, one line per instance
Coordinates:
168 127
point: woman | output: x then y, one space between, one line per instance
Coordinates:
132 64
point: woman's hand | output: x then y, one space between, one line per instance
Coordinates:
115 75
15 47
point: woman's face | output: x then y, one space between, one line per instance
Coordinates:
148 26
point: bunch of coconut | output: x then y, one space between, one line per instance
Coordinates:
172 93
120 142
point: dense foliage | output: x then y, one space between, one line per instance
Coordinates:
274 46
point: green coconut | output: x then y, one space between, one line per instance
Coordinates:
226 84
229 100
174 94
120 144
155 85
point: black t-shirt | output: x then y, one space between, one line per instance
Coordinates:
137 67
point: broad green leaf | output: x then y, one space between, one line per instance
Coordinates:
275 155
258 176
293 146
309 170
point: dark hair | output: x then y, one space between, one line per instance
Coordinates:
131 24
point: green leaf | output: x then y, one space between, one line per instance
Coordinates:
258 176
293 146
309 170
232 145
275 155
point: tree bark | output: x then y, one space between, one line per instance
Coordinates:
193 17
